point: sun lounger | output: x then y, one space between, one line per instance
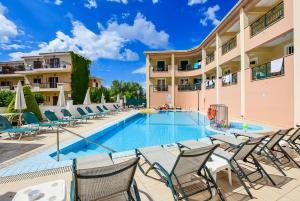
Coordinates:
108 110
185 174
243 152
51 116
102 110
97 178
90 111
293 139
67 114
84 114
6 127
31 119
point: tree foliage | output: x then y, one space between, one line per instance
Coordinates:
96 94
39 98
6 97
32 105
129 89
79 77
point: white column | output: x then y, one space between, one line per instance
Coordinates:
296 6
203 85
173 79
218 44
244 59
148 80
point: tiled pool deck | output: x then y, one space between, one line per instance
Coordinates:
288 188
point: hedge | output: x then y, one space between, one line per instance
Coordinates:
31 103
79 77
6 97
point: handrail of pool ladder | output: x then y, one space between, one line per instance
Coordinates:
76 134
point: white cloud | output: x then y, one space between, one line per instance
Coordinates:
141 30
125 15
119 1
141 70
193 2
155 1
91 4
58 2
109 43
8 29
210 15
11 46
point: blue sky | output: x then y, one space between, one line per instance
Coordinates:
112 33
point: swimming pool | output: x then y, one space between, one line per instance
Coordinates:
142 130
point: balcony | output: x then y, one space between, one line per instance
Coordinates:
188 70
271 17
4 70
276 23
230 79
210 58
229 45
210 84
160 71
7 88
50 86
189 87
265 71
189 67
160 88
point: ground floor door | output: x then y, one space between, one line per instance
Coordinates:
55 99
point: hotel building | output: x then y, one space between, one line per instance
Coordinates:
45 73
248 62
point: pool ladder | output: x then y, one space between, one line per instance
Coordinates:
78 135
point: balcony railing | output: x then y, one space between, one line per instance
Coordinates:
6 87
210 58
229 79
160 69
271 17
189 67
11 69
45 66
229 45
49 84
210 84
264 71
189 87
160 88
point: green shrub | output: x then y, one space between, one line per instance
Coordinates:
31 103
79 77
39 98
5 97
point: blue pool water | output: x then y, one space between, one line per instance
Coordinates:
143 130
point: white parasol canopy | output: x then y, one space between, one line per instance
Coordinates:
87 99
20 103
61 102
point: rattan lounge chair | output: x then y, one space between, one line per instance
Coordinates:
185 174
244 151
31 119
6 127
67 114
98 178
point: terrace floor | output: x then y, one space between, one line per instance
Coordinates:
288 188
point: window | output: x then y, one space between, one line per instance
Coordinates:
254 61
37 80
161 82
54 63
184 81
53 82
160 65
37 64
289 49
183 64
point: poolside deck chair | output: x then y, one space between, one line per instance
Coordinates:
102 110
245 153
112 110
31 119
98 178
6 127
272 145
51 116
185 174
293 139
67 114
90 111
82 113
